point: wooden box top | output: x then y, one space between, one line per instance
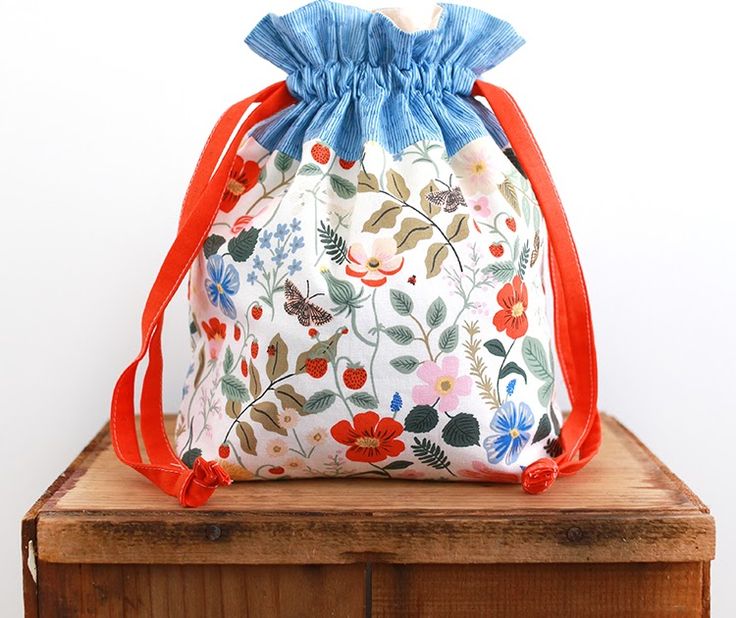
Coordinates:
626 506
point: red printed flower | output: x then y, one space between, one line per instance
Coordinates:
513 299
370 438
215 331
243 177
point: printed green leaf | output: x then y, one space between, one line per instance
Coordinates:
255 379
367 183
278 362
412 230
458 229
543 429
383 218
428 207
449 338
229 361
233 408
495 347
525 209
190 456
212 245
265 414
508 191
436 255
321 349
342 187
421 419
396 185
400 334
399 464
334 244
436 313
545 392
536 216
405 364
247 437
535 358
283 161
241 247
502 272
363 400
289 398
319 401
234 388
309 169
509 369
523 260
430 454
401 302
462 430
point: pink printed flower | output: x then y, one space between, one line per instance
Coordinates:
483 472
372 268
246 221
481 207
480 165
441 383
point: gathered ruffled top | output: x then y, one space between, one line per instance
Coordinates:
359 77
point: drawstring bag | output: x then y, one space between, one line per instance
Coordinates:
367 246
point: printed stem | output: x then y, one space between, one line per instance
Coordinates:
424 338
255 401
503 362
375 347
266 194
340 394
357 332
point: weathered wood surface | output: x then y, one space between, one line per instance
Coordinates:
624 507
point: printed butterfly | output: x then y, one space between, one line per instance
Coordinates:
449 200
299 304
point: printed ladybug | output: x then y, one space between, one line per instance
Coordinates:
316 367
271 350
320 153
354 377
412 279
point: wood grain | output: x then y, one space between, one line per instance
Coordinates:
625 507
198 591
529 591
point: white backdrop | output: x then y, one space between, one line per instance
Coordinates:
104 107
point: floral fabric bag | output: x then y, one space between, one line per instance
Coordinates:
366 254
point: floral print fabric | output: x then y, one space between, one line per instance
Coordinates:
382 317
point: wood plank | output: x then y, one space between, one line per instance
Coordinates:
194 591
626 506
530 591
625 475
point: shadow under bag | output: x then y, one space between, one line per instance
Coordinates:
368 247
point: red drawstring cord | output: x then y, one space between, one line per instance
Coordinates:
581 433
193 487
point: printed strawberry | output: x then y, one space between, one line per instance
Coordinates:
254 349
276 470
223 451
313 332
244 368
496 249
344 330
346 165
256 312
354 376
316 367
236 332
320 153
511 224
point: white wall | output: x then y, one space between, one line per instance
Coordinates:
104 107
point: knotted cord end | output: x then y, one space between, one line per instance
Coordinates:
200 482
539 476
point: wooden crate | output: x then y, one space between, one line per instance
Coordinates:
624 537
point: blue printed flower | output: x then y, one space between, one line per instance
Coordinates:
281 231
296 265
396 403
510 387
295 225
252 277
511 432
221 284
297 243
265 239
279 256
258 263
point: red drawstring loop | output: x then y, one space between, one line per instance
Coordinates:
539 476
